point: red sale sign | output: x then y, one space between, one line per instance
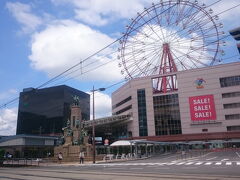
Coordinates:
202 108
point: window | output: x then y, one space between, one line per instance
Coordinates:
232 116
231 105
231 94
204 130
122 102
123 110
74 118
233 128
142 112
230 81
167 115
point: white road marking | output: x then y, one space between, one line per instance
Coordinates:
162 168
221 163
189 163
171 163
136 168
115 168
218 163
160 164
224 159
198 163
228 163
180 163
208 163
238 154
211 158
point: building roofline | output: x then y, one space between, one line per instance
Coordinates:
7 138
178 72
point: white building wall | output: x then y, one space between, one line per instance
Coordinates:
186 88
211 75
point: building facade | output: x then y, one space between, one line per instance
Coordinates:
46 111
28 146
204 105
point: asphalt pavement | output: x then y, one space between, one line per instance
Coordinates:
208 165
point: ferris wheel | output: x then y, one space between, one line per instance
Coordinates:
170 36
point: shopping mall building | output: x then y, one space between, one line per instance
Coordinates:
203 105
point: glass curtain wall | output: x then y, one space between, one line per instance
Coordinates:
167 115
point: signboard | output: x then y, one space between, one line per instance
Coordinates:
98 140
106 142
199 82
202 108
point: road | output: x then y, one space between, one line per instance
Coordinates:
214 165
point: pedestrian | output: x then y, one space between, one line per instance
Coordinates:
60 157
81 157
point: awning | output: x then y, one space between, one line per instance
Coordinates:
122 143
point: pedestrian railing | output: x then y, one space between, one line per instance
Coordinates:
20 162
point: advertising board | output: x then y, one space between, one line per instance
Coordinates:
202 108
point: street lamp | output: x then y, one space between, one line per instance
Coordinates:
93 124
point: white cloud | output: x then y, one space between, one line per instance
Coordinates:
8 94
101 12
64 43
103 105
229 18
8 121
23 14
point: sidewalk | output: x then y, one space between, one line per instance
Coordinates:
88 162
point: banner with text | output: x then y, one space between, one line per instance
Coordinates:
202 108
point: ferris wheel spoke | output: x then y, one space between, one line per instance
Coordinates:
130 34
139 61
191 15
149 57
173 15
196 28
139 51
138 46
194 61
168 12
144 34
205 56
173 35
186 17
149 25
180 12
142 66
159 22
180 62
161 10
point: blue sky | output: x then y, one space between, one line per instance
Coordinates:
40 39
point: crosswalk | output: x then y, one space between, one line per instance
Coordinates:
177 163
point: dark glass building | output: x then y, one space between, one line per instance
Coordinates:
46 111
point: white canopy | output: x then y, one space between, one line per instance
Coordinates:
121 143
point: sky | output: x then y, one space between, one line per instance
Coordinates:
41 38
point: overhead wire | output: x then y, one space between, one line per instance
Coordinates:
76 65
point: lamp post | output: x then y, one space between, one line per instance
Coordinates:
93 124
